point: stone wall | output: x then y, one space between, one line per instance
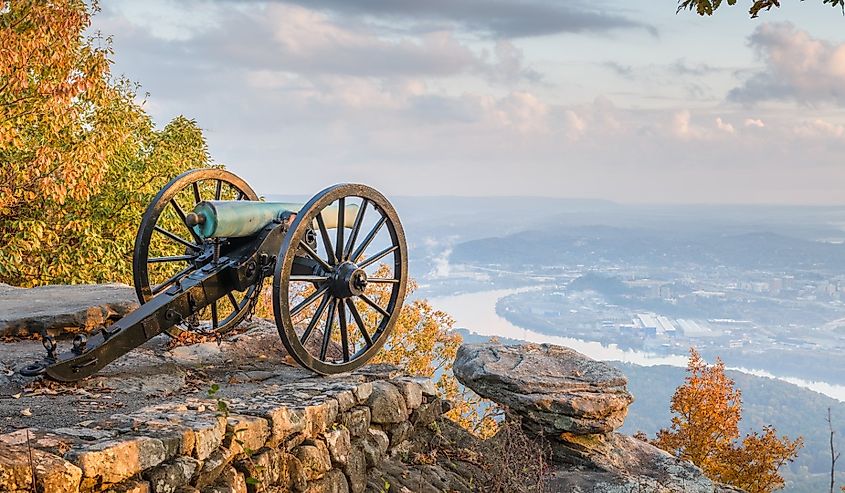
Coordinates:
311 435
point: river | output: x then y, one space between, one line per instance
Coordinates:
476 312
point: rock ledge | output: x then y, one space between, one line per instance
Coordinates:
575 403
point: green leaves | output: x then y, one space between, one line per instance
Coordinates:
213 390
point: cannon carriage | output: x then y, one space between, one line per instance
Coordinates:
204 248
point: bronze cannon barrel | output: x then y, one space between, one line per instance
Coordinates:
238 218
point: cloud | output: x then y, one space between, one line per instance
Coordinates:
296 98
797 67
575 125
723 126
498 18
682 67
819 129
619 69
289 38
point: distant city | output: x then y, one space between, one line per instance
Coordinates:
761 288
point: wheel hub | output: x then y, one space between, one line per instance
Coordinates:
348 280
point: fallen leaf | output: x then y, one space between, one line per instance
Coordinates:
26 412
16 396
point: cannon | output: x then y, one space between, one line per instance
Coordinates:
204 248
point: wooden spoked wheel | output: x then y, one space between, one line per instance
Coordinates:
167 250
337 293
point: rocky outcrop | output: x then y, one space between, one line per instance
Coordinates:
574 404
60 308
554 389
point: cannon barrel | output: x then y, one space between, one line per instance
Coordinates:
239 218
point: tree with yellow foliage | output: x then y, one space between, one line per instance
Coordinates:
78 157
705 431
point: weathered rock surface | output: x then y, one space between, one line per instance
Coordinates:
574 403
555 389
59 308
623 463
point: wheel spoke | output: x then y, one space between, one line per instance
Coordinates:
327 243
195 185
373 304
181 215
314 320
344 339
307 301
356 228
233 301
357 316
218 190
311 253
177 238
174 258
309 278
327 333
382 280
380 255
214 318
368 239
341 216
174 278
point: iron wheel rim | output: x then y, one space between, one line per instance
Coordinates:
372 200
166 198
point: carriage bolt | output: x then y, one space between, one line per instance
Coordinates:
172 315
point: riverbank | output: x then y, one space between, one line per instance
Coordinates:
476 312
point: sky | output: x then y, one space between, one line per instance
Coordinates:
622 100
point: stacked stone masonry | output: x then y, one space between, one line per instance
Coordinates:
317 435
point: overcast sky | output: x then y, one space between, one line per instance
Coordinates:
611 99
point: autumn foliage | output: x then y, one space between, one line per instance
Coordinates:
705 430
79 158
